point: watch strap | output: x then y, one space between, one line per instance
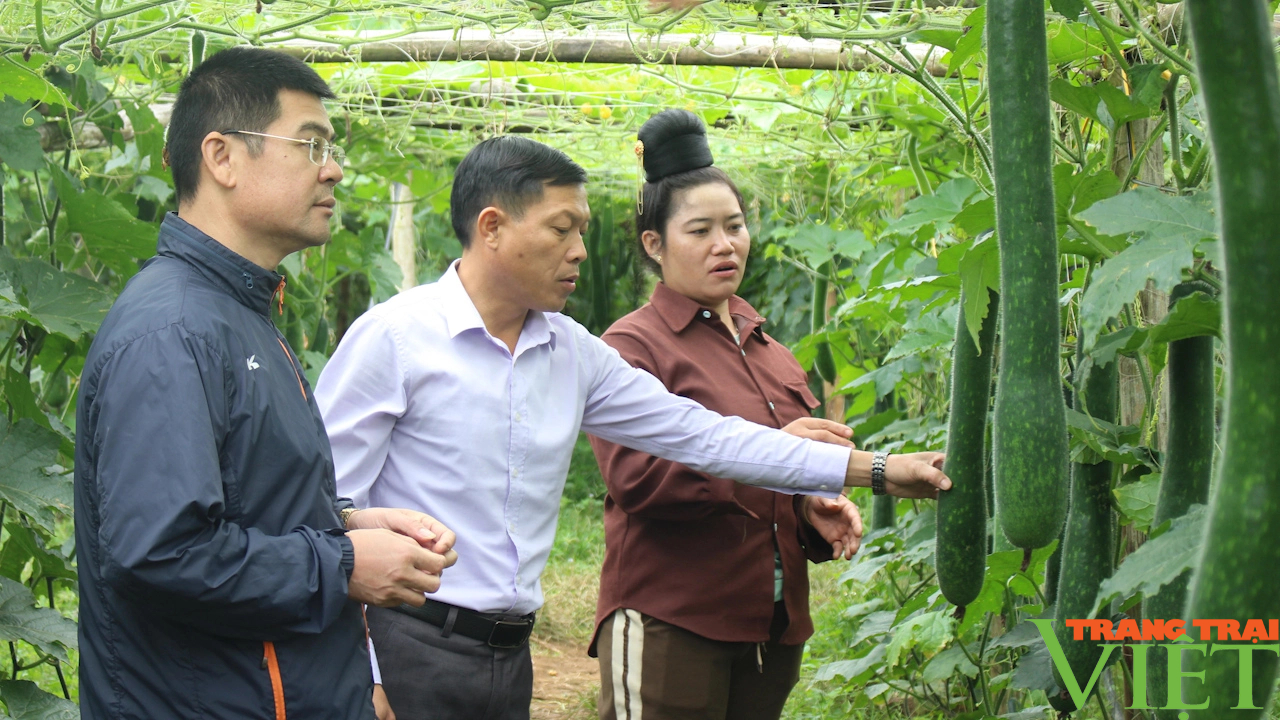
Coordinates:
879 459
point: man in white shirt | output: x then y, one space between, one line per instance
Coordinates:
463 399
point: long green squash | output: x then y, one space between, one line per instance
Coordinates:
824 362
884 511
196 50
1235 58
1053 568
1030 431
1088 544
1188 466
961 554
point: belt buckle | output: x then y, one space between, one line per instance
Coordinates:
521 630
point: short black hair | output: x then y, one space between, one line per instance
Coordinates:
509 172
235 89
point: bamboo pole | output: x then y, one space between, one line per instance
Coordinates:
614 48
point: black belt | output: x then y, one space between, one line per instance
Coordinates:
498 631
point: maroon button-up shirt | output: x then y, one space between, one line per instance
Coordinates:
689 549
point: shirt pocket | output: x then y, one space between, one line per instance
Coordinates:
802 393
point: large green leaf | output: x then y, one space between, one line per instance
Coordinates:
1072 41
819 243
938 209
26 450
1136 501
1003 568
44 628
979 272
1184 219
26 701
949 662
1148 84
1195 315
1171 227
22 83
1069 9
17 393
19 140
1098 440
928 632
1117 108
851 669
148 136
112 234
929 331
1159 561
1082 100
24 544
971 43
1104 103
1075 192
60 302
886 377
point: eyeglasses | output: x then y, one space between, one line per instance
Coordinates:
319 150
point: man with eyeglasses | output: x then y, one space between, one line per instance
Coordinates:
220 574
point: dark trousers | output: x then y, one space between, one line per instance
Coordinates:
431 677
651 670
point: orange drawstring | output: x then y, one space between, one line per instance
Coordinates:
281 291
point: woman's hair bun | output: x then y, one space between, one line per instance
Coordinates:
675 141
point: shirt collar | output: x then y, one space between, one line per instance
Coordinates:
679 311
461 315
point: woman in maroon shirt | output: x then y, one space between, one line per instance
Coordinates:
704 594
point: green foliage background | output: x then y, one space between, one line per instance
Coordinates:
880 174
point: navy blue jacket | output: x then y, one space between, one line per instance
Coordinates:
213 565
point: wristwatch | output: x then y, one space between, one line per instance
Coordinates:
878 460
346 514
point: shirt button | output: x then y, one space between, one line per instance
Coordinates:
771 405
744 352
706 313
515 473
518 418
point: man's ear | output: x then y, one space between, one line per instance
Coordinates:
488 222
215 159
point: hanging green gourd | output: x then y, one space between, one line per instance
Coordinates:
824 362
960 557
1030 431
1088 541
884 511
1188 467
1235 58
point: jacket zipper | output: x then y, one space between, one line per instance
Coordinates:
272 665
289 356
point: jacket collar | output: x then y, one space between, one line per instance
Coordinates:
679 311
250 284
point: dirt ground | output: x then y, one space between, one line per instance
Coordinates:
565 681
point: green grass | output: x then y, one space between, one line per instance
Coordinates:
571 581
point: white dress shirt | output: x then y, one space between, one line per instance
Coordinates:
426 410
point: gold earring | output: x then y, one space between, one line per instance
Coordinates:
657 259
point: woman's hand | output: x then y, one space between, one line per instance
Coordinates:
821 430
838 522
